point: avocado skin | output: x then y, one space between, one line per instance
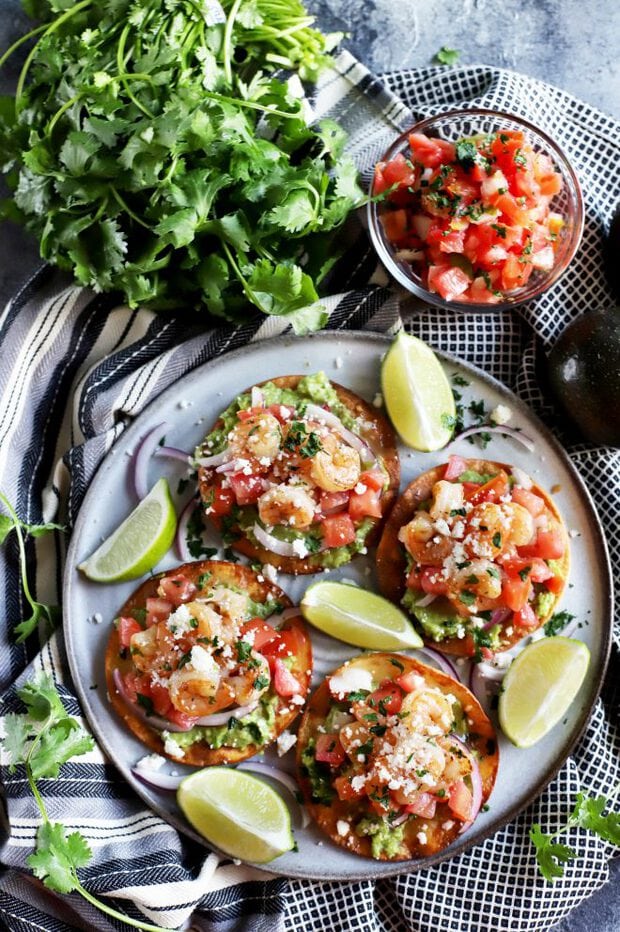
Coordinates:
584 372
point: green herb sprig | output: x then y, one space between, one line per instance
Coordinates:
40 610
588 814
42 740
152 150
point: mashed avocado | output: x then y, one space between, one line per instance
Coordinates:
440 625
256 728
543 603
318 774
315 388
384 838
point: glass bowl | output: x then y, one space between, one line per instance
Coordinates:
458 124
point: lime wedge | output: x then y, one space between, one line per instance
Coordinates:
540 686
139 543
417 394
237 813
358 617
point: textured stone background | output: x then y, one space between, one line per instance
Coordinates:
574 44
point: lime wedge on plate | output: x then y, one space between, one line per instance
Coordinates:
417 394
237 813
540 686
139 543
358 617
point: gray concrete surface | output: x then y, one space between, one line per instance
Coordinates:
573 44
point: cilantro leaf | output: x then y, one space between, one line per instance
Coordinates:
446 56
58 856
549 854
557 623
588 814
41 698
59 744
17 734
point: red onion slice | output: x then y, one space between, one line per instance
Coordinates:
210 462
153 721
399 821
523 439
442 662
284 778
161 781
476 783
222 718
231 465
283 548
498 617
173 453
257 399
140 460
331 420
428 599
180 539
481 676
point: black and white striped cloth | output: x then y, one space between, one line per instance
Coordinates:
75 370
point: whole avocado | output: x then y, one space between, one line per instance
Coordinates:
584 370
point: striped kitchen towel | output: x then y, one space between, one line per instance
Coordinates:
75 370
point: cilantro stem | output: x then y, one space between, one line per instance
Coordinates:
52 27
227 44
19 42
250 104
122 203
69 103
123 74
22 551
122 917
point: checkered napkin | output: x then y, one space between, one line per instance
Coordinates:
76 370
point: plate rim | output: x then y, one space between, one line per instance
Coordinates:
375 869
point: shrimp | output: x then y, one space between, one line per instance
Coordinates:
423 541
258 438
198 693
447 497
352 736
493 528
144 647
336 467
428 710
251 682
481 577
291 505
232 606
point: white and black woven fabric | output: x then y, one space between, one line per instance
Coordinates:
74 371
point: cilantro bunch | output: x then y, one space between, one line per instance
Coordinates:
42 740
158 148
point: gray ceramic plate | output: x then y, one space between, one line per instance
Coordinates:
191 406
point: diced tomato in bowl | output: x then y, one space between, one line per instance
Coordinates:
490 218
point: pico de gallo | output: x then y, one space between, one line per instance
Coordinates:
395 758
297 473
207 664
474 217
483 556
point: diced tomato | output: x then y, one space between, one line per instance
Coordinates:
379 184
246 489
365 504
285 684
544 259
135 683
387 699
127 627
247 414
555 584
515 592
157 610
333 502
491 491
395 225
160 697
329 750
345 791
373 479
460 801
424 806
288 644
516 213
222 501
337 531
182 719
177 589
430 152
399 171
515 274
282 413
456 466
525 617
454 241
409 682
447 281
534 503
263 632
549 544
433 581
534 568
